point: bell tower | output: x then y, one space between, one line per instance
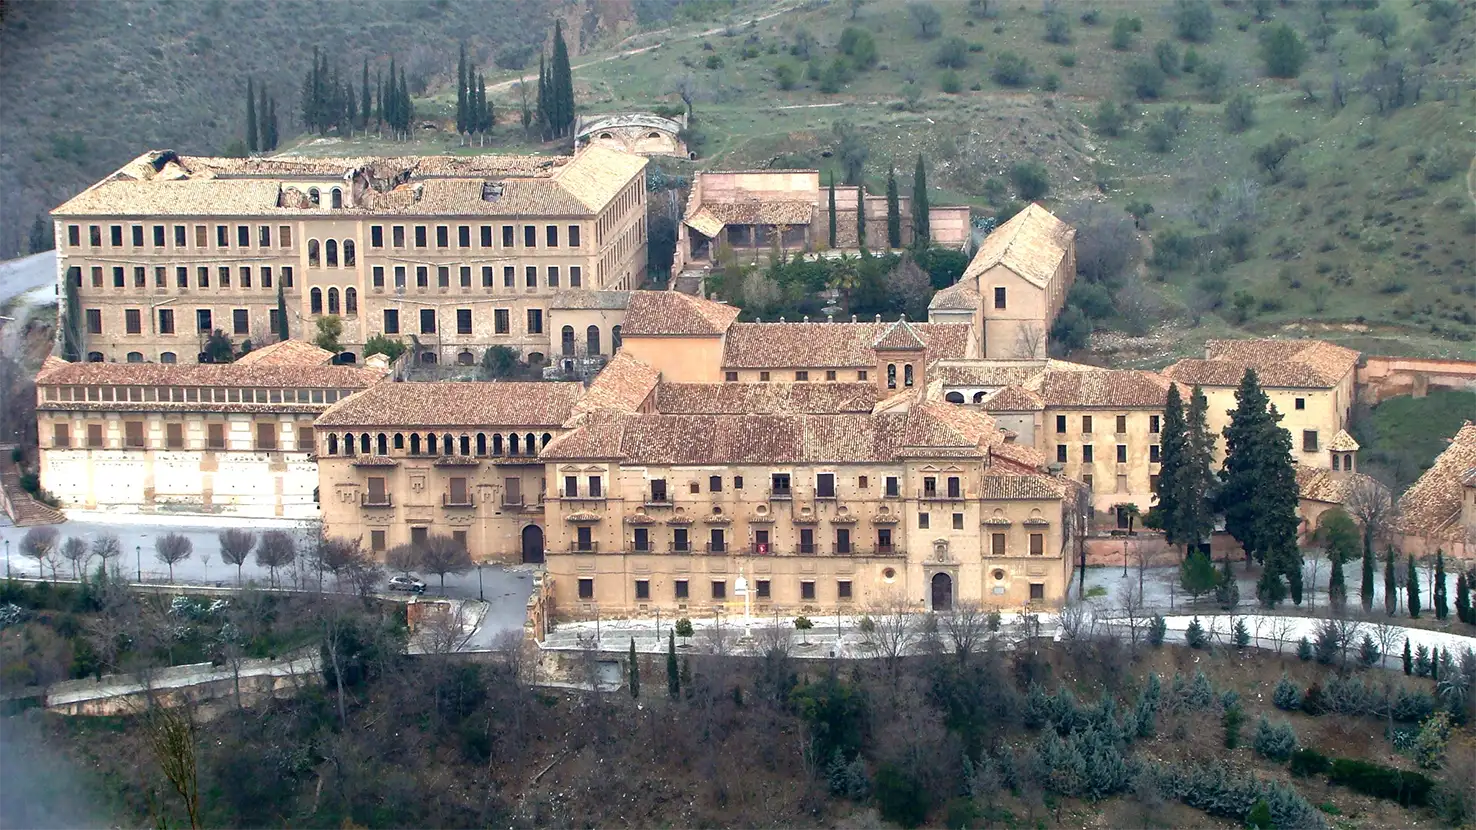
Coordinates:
901 358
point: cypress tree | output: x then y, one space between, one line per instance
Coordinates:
366 103
264 120
832 211
310 93
405 107
1408 659
71 340
1442 607
379 98
1463 599
283 329
1337 591
563 79
921 233
635 672
1412 589
489 118
1241 472
351 108
860 218
1366 590
1171 449
274 136
40 236
894 212
1391 585
673 680
1194 481
544 116
252 143
461 103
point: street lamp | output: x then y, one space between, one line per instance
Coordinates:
7 558
138 560
740 588
480 597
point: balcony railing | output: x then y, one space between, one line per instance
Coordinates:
809 549
376 500
653 500
686 548
588 547
575 496
463 500
825 496
941 495
716 547
781 493
886 549
512 500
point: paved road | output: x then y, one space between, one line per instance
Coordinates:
505 589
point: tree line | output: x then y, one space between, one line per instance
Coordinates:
329 102
556 90
473 113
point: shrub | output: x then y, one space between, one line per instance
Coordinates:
1200 693
1066 59
1232 721
1275 742
1193 21
900 797
1011 70
1159 137
390 347
1409 789
953 53
1308 762
1194 635
1122 33
949 82
1031 180
1057 29
1240 112
785 76
1287 696
1430 744
1051 82
859 45
1167 58
1283 52
1240 632
1144 79
1109 119
1312 702
1304 650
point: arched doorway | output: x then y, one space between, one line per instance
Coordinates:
532 545
566 341
942 592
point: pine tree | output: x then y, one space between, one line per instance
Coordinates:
1259 484
922 235
1442 607
1463 599
1412 597
831 212
673 680
562 75
1269 588
1391 585
1194 482
366 102
1408 660
1197 574
71 334
1227 592
1366 590
894 212
635 672
1171 449
860 219
462 121
283 329
252 144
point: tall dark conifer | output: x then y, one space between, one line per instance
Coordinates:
71 333
1172 440
462 121
562 75
406 107
545 95
1366 587
1412 589
1440 600
283 329
1244 454
273 133
832 211
1391 584
860 218
922 234
366 103
1194 483
894 212
264 120
252 144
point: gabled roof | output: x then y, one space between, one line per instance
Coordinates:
1032 244
1431 507
1324 485
220 375
625 385
286 353
1327 362
1343 442
1085 386
1013 399
456 404
961 296
765 398
831 345
590 300
674 314
899 337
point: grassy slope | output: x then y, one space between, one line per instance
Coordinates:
1402 436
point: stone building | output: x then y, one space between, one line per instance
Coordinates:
458 253
641 133
1438 512
1014 286
754 211
233 438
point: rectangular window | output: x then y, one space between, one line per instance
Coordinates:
1301 403
530 236
999 297
486 276
427 321
1309 440
133 434
97 276
1086 424
202 236
892 486
1087 454
807 589
443 276
118 276
1037 544
94 236
1153 453
825 486
642 540
266 435
1037 591
95 436
202 276
573 236
717 540
500 324
679 589
509 276
762 589
422 276
1153 422
576 276
182 277
215 436
596 487
222 236
801 376
551 236
74 236
737 482
243 236
166 321
136 234
553 276
245 277
115 235
843 589
443 236
179 236
397 236
264 236
486 236
174 435
420 236
132 321
94 321
586 587
679 540
1122 453
535 321
463 236
1122 424
240 321
465 274
958 520
922 521
643 589
203 320
140 276
376 541
764 377
463 321
830 374
996 544
284 236
305 435
1087 482
391 321
530 274
719 589
715 484
274 320
507 236
158 236
225 277
286 276
378 276
376 236
730 377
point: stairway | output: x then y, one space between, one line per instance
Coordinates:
23 510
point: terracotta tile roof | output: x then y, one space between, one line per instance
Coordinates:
1020 455
986 372
765 398
899 336
1324 485
591 300
1014 399
705 223
829 345
286 353
1032 244
1327 360
223 375
1009 487
1082 386
1431 507
962 295
674 314
162 183
457 404
1343 442
625 384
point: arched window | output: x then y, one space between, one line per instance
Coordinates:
414 443
312 252
978 397
382 441
907 374
497 444
351 301
466 445
512 444
430 443
535 358
135 357
167 357
481 443
315 301
399 440
337 198
348 252
364 446
615 340
606 136
448 445
592 340
466 358
330 248
566 340
333 301
546 439
530 444
428 358
653 135
94 357
348 443
891 376
954 397
346 359
332 444
314 197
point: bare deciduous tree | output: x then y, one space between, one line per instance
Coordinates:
172 548
39 543
1134 617
1030 341
402 558
894 632
75 550
441 555
445 630
107 546
235 546
172 740
1281 629
967 626
274 550
1372 505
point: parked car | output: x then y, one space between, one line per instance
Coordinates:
406 583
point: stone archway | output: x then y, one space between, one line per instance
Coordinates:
942 592
532 545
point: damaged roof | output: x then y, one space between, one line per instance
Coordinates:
1431 507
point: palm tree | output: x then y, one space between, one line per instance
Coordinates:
1131 511
845 277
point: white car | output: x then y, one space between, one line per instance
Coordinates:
406 583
